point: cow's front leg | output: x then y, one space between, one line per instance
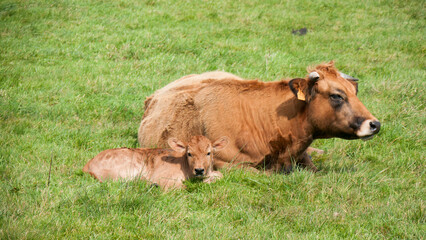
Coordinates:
247 165
311 150
284 163
305 161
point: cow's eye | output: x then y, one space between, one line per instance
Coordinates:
336 97
189 154
208 154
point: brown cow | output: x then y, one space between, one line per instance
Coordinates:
269 123
166 167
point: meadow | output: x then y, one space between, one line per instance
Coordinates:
74 76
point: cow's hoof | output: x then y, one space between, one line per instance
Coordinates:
287 170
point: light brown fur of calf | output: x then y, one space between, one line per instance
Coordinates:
166 167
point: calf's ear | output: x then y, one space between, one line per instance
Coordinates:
220 143
177 145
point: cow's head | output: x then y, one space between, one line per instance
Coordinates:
333 108
199 153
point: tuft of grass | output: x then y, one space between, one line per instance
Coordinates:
74 75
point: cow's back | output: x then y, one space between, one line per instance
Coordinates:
193 80
171 110
214 108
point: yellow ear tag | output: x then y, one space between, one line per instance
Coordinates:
300 95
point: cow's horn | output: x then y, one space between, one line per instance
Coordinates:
348 77
313 76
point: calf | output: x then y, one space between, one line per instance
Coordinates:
167 168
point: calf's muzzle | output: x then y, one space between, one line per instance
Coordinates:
199 171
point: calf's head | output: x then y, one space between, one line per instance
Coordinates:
199 153
333 108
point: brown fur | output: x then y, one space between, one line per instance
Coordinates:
166 167
266 122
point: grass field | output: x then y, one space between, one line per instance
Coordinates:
74 75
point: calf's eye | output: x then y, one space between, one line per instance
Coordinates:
208 154
189 154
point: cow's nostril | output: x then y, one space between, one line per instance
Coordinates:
199 171
375 126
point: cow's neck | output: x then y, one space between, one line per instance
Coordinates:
296 132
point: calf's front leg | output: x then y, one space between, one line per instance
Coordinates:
213 176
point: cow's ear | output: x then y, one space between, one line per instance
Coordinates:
220 143
352 80
299 87
177 145
355 83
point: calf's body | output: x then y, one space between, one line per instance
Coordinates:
166 167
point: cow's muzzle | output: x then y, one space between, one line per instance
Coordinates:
368 129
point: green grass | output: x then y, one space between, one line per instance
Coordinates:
74 75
